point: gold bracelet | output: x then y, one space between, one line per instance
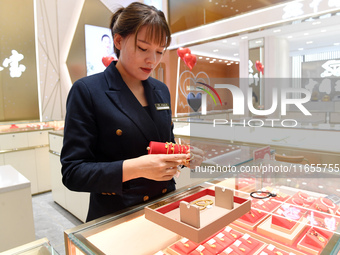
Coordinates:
202 204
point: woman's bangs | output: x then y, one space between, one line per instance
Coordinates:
157 34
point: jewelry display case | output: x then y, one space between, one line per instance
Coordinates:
291 213
38 247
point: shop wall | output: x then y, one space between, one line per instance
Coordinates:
219 71
57 22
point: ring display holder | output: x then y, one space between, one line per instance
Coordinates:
187 219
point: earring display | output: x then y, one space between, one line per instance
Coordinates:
200 215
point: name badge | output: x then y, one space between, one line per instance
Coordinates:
162 106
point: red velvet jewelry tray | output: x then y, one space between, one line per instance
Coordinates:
249 222
314 243
187 220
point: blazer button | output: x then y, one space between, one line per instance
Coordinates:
146 198
119 132
164 191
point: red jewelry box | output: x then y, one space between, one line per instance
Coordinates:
287 218
267 205
231 233
240 248
251 242
314 240
213 246
167 148
224 240
251 219
272 250
201 250
183 247
187 220
324 206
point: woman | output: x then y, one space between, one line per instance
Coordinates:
112 116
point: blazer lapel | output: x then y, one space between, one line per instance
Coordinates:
124 99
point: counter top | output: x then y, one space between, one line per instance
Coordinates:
57 132
11 179
24 129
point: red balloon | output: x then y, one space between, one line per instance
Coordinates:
259 66
107 60
182 51
190 60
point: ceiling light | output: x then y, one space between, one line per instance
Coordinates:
236 54
320 186
244 37
207 58
200 57
229 64
304 183
215 50
300 48
231 61
211 62
236 63
259 41
277 30
225 61
309 42
316 23
214 59
220 60
225 41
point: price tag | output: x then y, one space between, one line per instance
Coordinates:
237 243
270 247
211 241
200 248
184 240
228 229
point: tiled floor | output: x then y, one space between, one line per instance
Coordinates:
51 220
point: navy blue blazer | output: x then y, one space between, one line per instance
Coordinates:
104 125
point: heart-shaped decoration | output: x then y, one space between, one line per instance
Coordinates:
194 101
182 51
259 67
190 60
107 60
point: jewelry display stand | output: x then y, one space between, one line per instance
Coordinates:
194 222
314 240
266 229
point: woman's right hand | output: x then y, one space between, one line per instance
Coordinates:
158 167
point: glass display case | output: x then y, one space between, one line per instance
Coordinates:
294 209
38 247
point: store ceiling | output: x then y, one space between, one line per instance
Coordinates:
321 34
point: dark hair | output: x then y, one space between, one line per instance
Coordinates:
129 20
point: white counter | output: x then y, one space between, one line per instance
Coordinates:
11 179
16 212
